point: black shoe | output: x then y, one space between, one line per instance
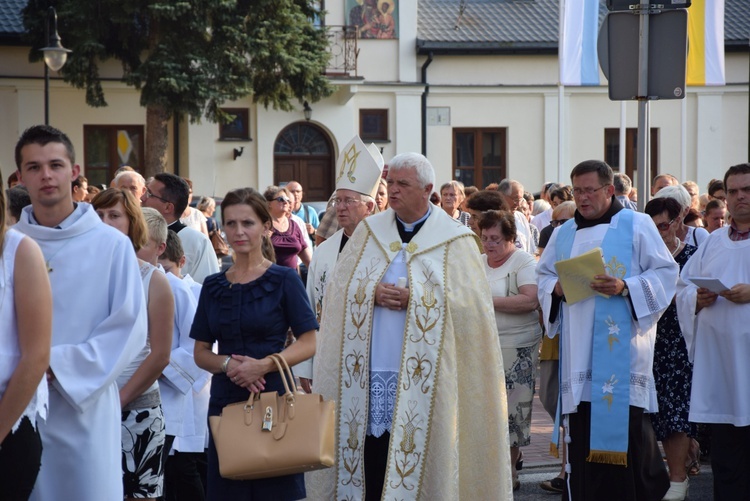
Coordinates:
556 484
519 463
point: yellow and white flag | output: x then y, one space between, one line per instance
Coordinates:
706 43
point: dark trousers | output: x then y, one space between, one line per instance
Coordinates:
644 478
20 459
376 461
185 476
730 461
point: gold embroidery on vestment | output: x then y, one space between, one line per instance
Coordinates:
418 370
350 161
615 268
405 457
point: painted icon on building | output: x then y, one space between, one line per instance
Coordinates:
374 19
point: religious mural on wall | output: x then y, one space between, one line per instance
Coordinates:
374 19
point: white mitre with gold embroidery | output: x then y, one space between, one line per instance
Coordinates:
359 168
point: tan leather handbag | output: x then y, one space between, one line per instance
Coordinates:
272 435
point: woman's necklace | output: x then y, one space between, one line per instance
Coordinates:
240 274
678 244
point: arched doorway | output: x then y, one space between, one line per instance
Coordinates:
303 152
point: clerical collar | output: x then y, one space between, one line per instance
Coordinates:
407 230
344 240
614 208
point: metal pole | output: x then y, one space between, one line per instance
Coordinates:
644 191
46 73
560 133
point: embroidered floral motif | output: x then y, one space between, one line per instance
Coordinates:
609 391
350 452
395 246
406 458
319 291
354 364
418 369
614 332
427 313
360 307
615 268
411 247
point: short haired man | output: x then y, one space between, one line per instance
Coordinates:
80 187
304 212
131 181
353 202
169 194
542 219
662 181
607 341
99 323
715 328
409 320
623 187
513 192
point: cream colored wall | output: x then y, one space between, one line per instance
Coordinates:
492 70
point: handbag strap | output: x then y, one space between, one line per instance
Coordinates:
286 373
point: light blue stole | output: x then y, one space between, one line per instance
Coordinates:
610 364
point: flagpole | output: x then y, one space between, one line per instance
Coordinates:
560 93
623 137
683 139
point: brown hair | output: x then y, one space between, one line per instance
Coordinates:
256 201
137 229
503 219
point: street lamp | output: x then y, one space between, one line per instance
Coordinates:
307 111
55 55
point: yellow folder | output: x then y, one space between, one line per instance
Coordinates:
576 274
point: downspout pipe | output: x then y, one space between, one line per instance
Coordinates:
424 102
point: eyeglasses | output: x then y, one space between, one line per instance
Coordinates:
487 242
558 222
150 194
665 226
346 202
283 200
587 191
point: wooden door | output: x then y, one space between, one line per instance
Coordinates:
303 153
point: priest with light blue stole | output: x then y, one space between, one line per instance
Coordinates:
607 342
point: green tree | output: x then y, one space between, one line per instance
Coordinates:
188 57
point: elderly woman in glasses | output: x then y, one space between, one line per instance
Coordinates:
286 236
511 273
688 234
451 197
673 373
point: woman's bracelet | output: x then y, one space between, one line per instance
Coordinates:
225 365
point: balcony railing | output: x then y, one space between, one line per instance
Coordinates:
342 45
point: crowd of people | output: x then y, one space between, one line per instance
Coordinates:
427 314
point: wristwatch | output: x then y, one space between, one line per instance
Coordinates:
625 291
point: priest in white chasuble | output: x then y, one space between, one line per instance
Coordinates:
409 350
98 324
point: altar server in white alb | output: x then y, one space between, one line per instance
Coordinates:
716 328
99 323
607 341
353 201
410 352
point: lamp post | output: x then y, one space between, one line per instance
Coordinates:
55 55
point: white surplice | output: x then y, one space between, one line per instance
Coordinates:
98 327
718 337
321 269
178 378
652 285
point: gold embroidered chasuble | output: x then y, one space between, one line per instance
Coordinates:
449 437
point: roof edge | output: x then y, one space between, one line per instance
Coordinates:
424 47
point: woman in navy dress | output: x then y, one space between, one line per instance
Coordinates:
248 310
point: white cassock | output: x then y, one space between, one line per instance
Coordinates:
652 286
321 268
200 257
523 230
718 337
98 327
178 378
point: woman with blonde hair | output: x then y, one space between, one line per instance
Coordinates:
143 426
25 338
